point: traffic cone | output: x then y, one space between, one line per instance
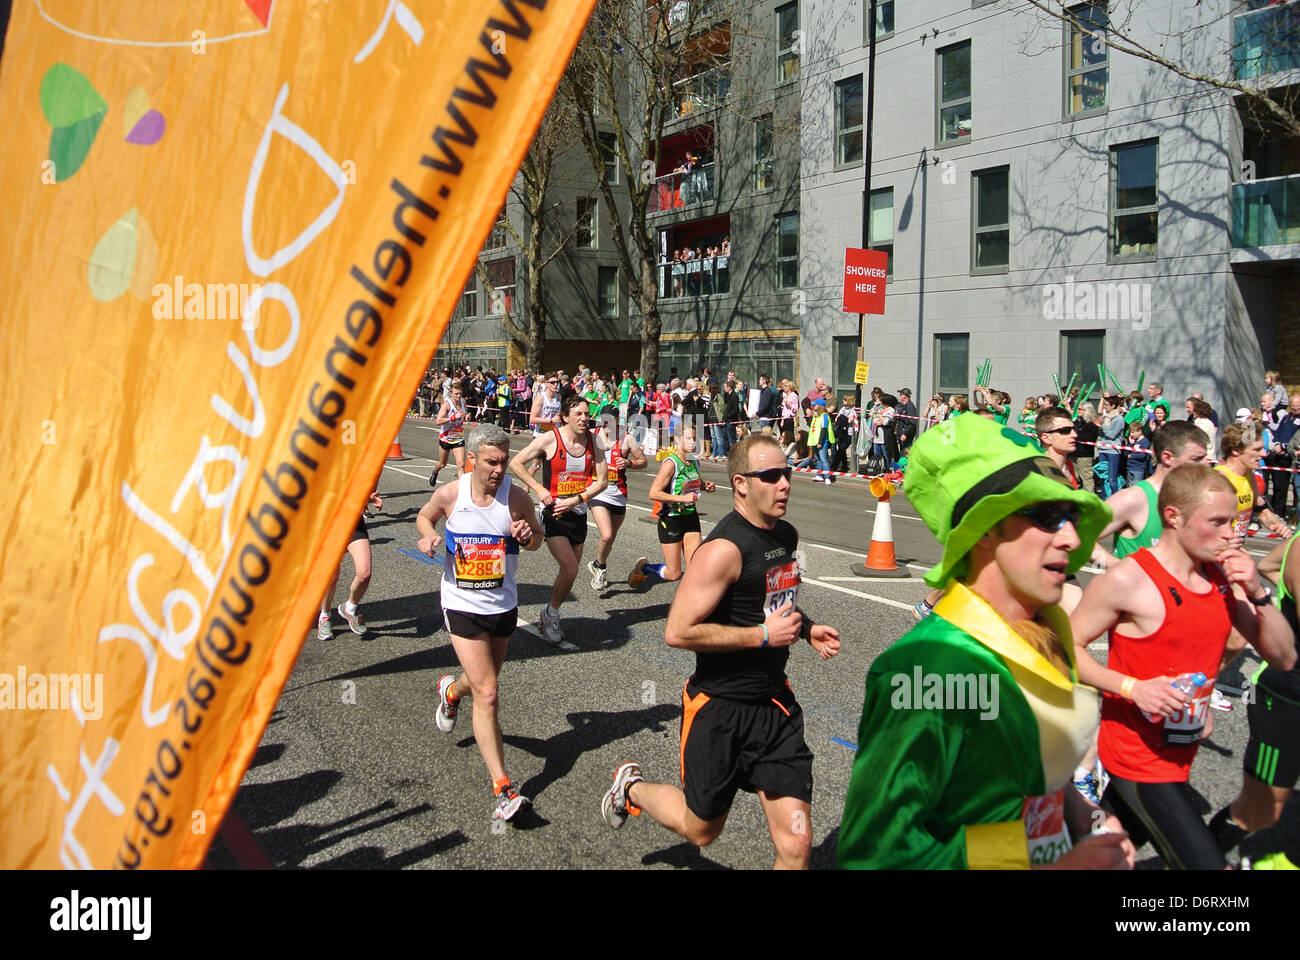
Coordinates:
395 449
880 560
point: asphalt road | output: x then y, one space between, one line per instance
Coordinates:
353 773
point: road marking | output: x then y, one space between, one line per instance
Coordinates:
844 743
858 593
430 561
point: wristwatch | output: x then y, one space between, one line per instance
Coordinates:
1266 599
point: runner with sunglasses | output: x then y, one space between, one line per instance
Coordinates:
1168 611
973 721
742 728
677 487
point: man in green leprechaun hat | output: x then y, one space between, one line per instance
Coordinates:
973 722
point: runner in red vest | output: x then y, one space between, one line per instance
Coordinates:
610 506
1169 610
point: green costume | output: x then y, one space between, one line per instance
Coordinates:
969 736
1149 533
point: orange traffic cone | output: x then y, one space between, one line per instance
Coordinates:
880 560
395 450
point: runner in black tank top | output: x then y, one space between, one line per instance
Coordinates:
742 728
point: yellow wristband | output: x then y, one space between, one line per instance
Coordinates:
1126 688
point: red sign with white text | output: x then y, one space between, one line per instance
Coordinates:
864 280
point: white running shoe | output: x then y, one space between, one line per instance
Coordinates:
507 803
599 579
613 806
1218 701
323 629
445 715
551 627
357 625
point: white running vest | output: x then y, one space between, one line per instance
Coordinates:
550 407
478 574
454 430
613 494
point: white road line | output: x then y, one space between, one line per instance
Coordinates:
418 476
858 593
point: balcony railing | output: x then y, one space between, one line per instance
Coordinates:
1266 41
694 278
701 91
1266 212
676 191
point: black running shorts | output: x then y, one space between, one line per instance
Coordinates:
453 445
1168 815
572 526
729 746
615 510
1273 753
675 529
359 532
472 625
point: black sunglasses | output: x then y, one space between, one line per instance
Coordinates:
1051 516
771 475
1062 430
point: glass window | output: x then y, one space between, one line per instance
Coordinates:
1082 351
501 274
848 121
954 92
844 360
497 239
952 362
880 226
787 53
884 20
763 152
990 221
585 234
607 291
609 150
469 299
1087 59
1134 200
787 251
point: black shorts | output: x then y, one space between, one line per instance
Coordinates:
452 445
729 746
1273 753
675 529
359 532
1168 815
614 509
571 525
464 624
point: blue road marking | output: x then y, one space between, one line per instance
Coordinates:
844 743
416 555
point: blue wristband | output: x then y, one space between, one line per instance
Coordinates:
764 643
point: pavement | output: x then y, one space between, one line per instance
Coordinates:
352 772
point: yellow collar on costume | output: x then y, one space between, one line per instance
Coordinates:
963 608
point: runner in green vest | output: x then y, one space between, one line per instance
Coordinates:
677 489
976 774
1136 522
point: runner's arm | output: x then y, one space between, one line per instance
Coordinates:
636 458
714 568
441 419
1121 523
440 504
536 449
1263 627
1271 566
659 487
522 509
534 415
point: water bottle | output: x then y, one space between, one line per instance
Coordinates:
1189 684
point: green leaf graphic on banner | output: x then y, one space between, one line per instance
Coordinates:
75 110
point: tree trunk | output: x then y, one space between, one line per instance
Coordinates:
651 325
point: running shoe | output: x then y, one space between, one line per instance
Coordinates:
507 803
445 715
1088 788
1218 701
614 805
922 610
599 580
818 479
638 574
551 627
323 629
355 623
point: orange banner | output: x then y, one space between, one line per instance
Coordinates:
235 230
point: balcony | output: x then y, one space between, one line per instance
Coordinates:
679 190
701 91
1266 213
687 279
1266 40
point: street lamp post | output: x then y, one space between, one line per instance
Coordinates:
866 211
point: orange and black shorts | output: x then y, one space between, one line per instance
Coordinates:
728 745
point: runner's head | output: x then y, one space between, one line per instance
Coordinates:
760 478
573 411
1178 443
686 438
489 449
1200 505
967 476
1242 443
1056 431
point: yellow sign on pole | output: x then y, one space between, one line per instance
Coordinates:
860 372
